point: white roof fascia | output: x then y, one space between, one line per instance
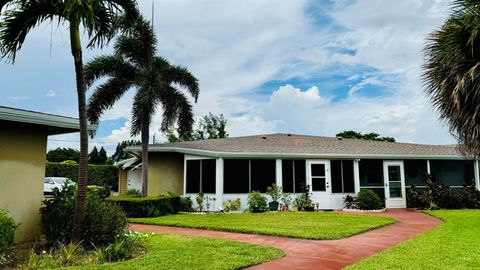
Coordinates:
292 155
30 117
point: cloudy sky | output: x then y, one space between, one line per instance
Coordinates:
297 66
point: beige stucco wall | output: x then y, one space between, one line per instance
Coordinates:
165 173
22 171
122 181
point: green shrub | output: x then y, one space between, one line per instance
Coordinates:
99 191
99 175
200 197
69 162
103 222
123 247
232 205
186 204
7 234
133 192
275 192
148 206
367 199
257 203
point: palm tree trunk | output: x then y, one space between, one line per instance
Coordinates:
145 138
80 202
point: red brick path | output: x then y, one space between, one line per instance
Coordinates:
323 254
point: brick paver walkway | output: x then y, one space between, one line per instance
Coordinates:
323 254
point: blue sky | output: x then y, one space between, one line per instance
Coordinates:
307 67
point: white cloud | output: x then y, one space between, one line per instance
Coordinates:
50 93
17 98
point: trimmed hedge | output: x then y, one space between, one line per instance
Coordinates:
7 234
99 175
148 206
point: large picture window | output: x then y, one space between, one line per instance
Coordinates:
342 176
293 175
244 176
371 172
201 176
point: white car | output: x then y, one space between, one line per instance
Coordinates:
53 182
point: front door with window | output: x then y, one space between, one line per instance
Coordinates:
394 184
319 181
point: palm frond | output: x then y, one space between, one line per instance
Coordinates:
183 77
111 65
105 97
20 17
176 109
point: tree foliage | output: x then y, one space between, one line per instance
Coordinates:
62 154
350 134
452 73
120 153
210 126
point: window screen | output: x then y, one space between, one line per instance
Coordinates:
193 176
262 174
236 176
293 175
287 175
208 175
300 175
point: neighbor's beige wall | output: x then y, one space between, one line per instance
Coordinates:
165 173
122 181
22 172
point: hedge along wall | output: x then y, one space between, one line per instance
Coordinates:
99 175
147 206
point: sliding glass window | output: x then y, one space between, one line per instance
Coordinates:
342 176
244 176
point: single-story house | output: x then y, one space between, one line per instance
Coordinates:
23 144
231 168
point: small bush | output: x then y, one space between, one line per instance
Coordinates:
257 203
349 201
103 222
186 204
367 199
232 205
200 197
99 192
7 234
418 198
133 193
148 206
123 248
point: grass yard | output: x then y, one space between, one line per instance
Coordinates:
170 251
453 245
307 225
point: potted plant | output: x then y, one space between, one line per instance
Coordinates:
199 200
275 192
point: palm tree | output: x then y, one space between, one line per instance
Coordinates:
135 65
98 18
452 73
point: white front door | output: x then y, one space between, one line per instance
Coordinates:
319 181
135 179
394 184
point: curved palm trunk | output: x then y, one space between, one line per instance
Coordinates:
145 138
80 202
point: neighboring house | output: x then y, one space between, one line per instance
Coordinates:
333 167
129 174
23 144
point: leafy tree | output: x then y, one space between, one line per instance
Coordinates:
102 156
135 65
93 157
452 75
63 154
120 153
99 19
350 134
209 127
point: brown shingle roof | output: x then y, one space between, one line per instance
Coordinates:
290 144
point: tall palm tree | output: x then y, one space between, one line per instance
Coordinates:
98 18
135 65
452 73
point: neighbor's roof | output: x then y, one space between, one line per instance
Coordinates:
55 124
290 145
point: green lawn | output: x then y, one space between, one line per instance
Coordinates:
170 251
453 245
307 225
